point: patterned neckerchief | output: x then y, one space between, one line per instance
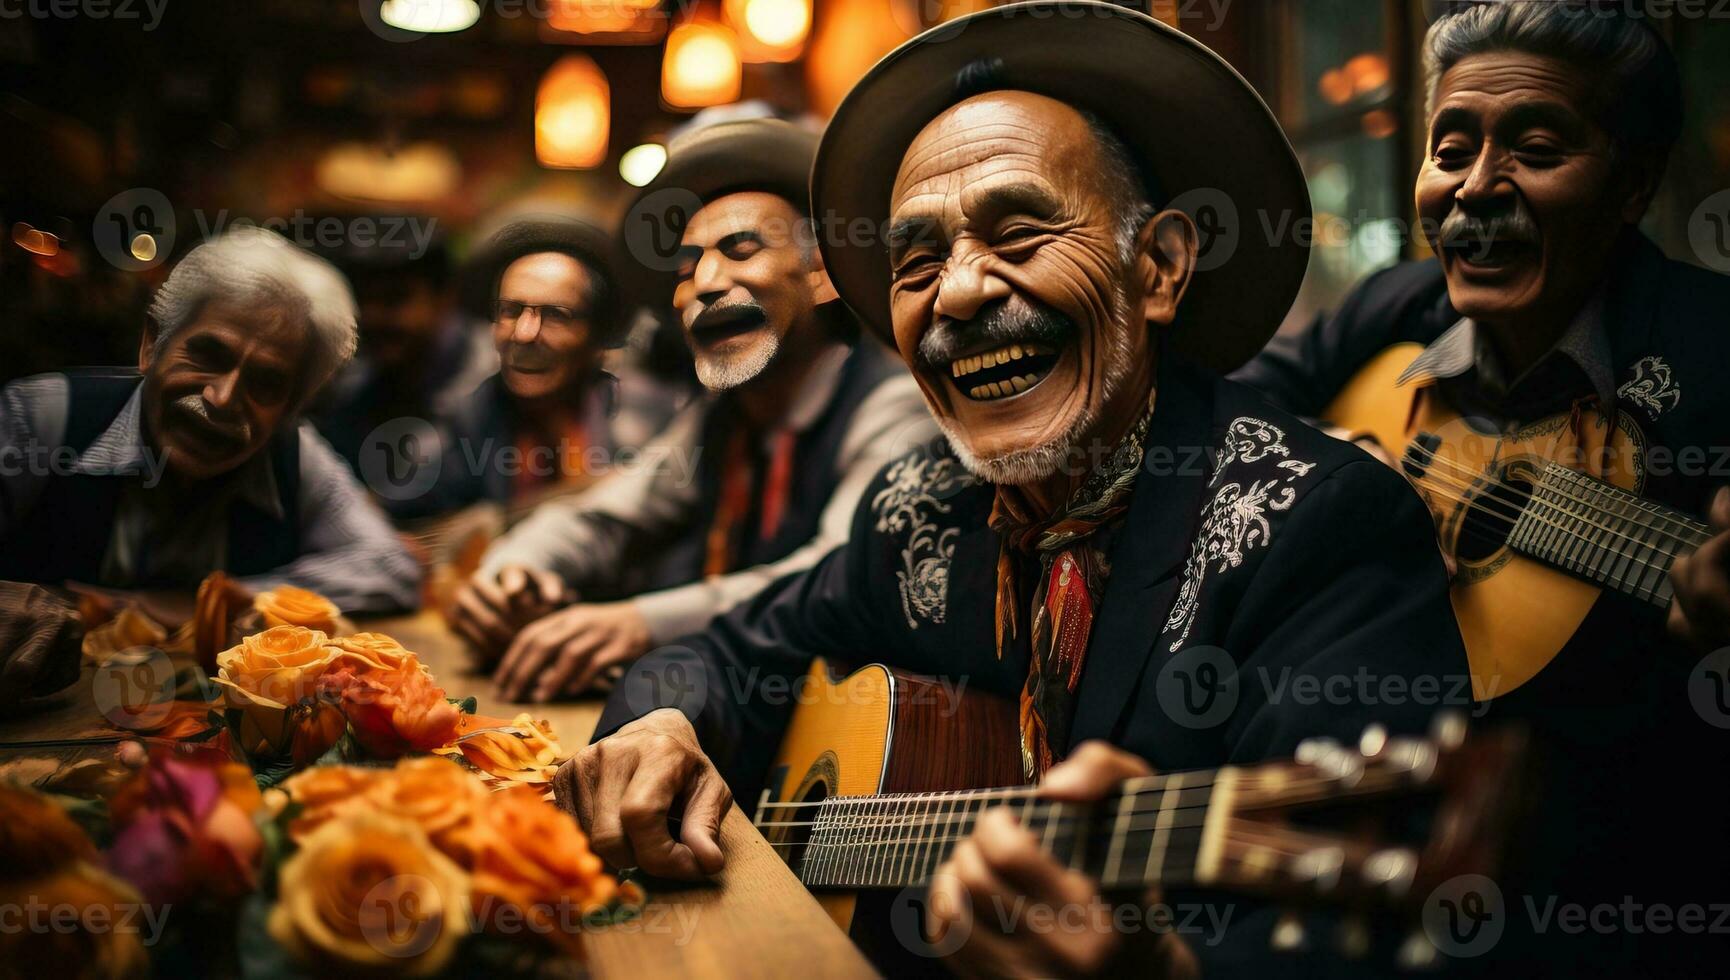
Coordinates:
1072 573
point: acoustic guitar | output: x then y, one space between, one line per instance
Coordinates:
1539 520
881 772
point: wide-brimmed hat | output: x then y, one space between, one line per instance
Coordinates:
1204 139
479 282
702 165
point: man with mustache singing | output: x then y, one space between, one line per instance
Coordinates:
1109 535
757 480
197 461
1549 128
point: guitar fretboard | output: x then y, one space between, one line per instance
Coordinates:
1605 534
1150 832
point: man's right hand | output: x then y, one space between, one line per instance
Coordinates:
39 641
489 609
624 788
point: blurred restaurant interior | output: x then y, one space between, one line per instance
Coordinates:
286 109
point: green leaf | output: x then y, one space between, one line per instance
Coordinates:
467 706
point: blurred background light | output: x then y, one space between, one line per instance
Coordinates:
769 30
377 172
573 111
640 164
430 16
701 66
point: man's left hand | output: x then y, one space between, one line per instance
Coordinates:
1700 613
1002 867
565 653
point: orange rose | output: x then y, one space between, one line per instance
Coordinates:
374 651
289 606
265 674
326 792
437 794
370 892
36 835
533 857
107 942
393 712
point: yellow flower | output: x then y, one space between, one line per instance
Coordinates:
326 792
370 892
375 651
265 674
289 606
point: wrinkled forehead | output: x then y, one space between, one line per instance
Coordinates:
994 135
765 215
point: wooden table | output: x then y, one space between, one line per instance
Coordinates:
755 920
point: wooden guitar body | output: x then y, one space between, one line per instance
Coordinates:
881 773
884 731
1515 613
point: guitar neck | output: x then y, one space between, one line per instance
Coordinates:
1154 830
1605 534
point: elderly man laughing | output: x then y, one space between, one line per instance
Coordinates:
150 479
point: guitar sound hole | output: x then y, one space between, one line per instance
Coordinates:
794 838
1490 515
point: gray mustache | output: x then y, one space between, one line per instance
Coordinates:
1513 225
1003 323
239 429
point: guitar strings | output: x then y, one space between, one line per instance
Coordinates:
1691 538
1474 477
1482 504
1439 485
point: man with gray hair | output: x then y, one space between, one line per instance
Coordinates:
1547 314
148 480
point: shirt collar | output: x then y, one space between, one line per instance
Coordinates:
122 451
821 383
1463 348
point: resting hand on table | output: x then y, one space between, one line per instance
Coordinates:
624 788
40 636
567 652
1700 613
489 609
1001 866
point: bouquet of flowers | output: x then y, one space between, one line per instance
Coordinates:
323 803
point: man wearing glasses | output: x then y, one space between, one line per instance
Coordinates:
756 480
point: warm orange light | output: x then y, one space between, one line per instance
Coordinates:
853 35
35 240
573 111
769 30
701 66
1368 72
604 16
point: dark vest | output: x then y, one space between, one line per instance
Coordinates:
65 536
814 473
